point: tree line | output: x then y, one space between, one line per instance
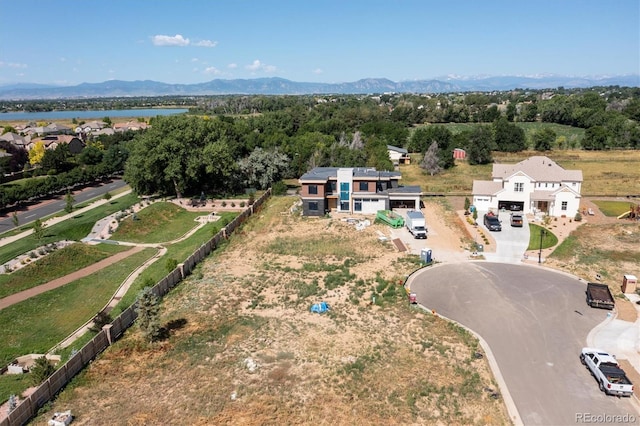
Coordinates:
230 143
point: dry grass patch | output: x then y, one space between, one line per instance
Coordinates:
250 352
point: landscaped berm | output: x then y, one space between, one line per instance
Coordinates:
244 347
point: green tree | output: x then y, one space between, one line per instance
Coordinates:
479 147
58 159
262 168
38 229
595 138
148 310
508 136
40 371
91 155
543 139
15 219
68 202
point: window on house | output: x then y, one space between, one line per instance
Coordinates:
364 186
546 185
564 205
344 206
313 189
357 205
313 206
519 187
333 186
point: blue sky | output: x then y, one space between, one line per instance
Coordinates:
69 42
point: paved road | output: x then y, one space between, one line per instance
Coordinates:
535 321
50 207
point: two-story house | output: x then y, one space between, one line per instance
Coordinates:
535 185
354 190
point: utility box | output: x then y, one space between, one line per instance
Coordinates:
629 284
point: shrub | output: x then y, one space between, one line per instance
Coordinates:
41 371
171 264
100 320
578 217
279 188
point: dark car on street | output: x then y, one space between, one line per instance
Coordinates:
492 222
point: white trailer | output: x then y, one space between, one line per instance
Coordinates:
416 224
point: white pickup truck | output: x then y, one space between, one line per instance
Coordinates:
605 368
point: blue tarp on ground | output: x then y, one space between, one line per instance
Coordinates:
320 308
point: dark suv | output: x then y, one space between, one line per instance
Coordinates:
492 223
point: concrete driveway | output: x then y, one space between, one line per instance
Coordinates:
511 243
535 322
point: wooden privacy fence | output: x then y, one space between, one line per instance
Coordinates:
28 407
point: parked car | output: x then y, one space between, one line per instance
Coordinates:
492 222
516 220
605 368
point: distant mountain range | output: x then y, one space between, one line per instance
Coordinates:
280 86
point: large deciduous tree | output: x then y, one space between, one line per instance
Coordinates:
479 145
543 139
508 136
262 168
178 155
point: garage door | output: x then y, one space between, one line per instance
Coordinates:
511 205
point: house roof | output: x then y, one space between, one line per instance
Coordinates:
396 149
486 187
409 189
539 168
325 173
15 139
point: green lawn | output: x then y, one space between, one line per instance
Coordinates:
548 239
39 323
73 229
55 265
158 223
613 208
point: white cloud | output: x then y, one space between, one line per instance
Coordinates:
318 71
206 43
12 65
212 71
194 59
232 66
165 40
256 66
